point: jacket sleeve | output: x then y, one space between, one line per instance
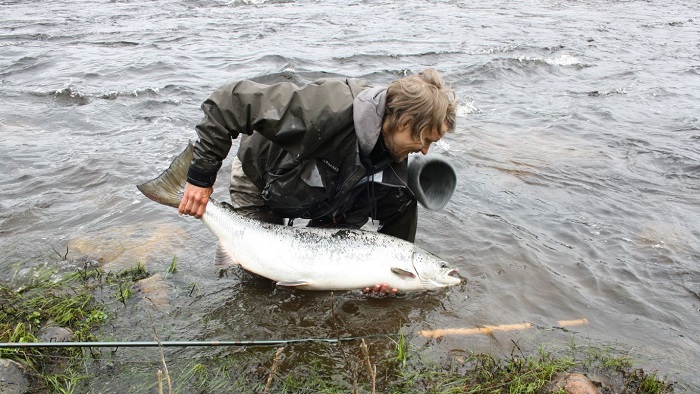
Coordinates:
292 116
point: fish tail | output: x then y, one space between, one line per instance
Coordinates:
167 187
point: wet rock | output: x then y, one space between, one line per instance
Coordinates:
51 333
120 247
156 290
13 379
574 383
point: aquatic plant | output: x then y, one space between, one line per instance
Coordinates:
384 364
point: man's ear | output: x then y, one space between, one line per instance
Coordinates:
406 122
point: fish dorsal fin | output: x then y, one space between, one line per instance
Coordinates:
223 258
403 273
293 283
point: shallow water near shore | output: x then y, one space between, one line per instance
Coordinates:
577 151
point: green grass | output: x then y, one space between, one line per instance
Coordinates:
299 368
172 268
67 302
340 368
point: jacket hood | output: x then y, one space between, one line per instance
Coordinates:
368 113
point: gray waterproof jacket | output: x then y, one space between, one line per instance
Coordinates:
301 147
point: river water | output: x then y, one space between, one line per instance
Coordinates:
577 150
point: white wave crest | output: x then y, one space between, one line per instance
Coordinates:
563 60
467 108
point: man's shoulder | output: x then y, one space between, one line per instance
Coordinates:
302 79
356 85
353 82
332 84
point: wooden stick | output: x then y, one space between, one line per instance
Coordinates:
162 359
488 330
571 323
160 381
273 369
471 331
371 369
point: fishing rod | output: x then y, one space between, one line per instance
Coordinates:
274 342
424 333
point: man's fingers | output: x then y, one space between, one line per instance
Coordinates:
188 206
200 210
182 209
194 200
380 289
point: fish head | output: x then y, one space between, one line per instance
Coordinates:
432 271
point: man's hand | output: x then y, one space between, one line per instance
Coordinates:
194 200
380 290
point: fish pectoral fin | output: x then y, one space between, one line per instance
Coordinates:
293 283
223 258
402 272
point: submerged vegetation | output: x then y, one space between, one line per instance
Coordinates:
370 365
68 303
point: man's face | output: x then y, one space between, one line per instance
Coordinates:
401 143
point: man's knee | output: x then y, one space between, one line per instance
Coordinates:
246 199
260 213
402 223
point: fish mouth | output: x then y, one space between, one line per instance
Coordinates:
451 277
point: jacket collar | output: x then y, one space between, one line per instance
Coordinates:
368 113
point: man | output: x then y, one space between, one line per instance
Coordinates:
333 151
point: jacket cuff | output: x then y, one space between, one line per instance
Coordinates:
201 178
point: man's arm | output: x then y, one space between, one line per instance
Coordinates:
287 114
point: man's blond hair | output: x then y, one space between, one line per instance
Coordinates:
423 100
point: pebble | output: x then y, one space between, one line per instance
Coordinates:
574 383
13 379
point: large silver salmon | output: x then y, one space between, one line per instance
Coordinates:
307 258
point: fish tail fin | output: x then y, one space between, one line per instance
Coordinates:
167 187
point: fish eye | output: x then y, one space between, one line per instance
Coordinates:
443 265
